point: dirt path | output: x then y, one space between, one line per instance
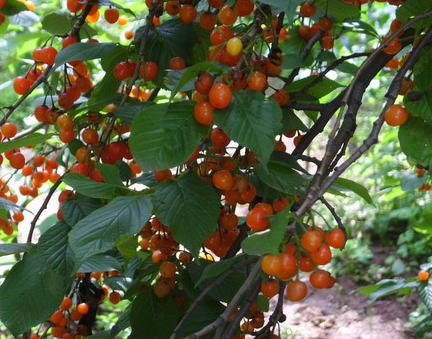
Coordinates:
342 313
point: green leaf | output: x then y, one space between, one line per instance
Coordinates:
318 90
100 263
263 303
99 231
391 286
215 269
410 182
110 173
107 88
31 292
280 176
55 251
190 206
9 205
413 8
62 23
57 23
7 249
165 135
225 290
128 248
90 188
425 293
253 121
203 315
83 51
171 38
420 106
129 111
76 209
415 141
337 9
422 70
13 7
291 121
268 241
29 140
423 223
352 186
152 317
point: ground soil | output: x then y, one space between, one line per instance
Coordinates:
343 313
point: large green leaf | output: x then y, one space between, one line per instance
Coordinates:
108 87
213 270
419 101
411 182
353 186
8 205
31 292
165 135
280 176
338 9
90 188
415 141
413 8
129 111
423 223
225 290
190 206
13 7
425 293
152 317
61 24
99 231
268 242
29 140
420 104
7 249
318 90
253 121
83 51
76 209
54 249
100 263
171 38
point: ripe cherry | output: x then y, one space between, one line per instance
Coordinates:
204 83
220 96
203 113
311 240
21 85
227 15
111 15
335 238
271 264
296 290
220 34
223 180
396 115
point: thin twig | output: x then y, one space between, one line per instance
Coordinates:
42 208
